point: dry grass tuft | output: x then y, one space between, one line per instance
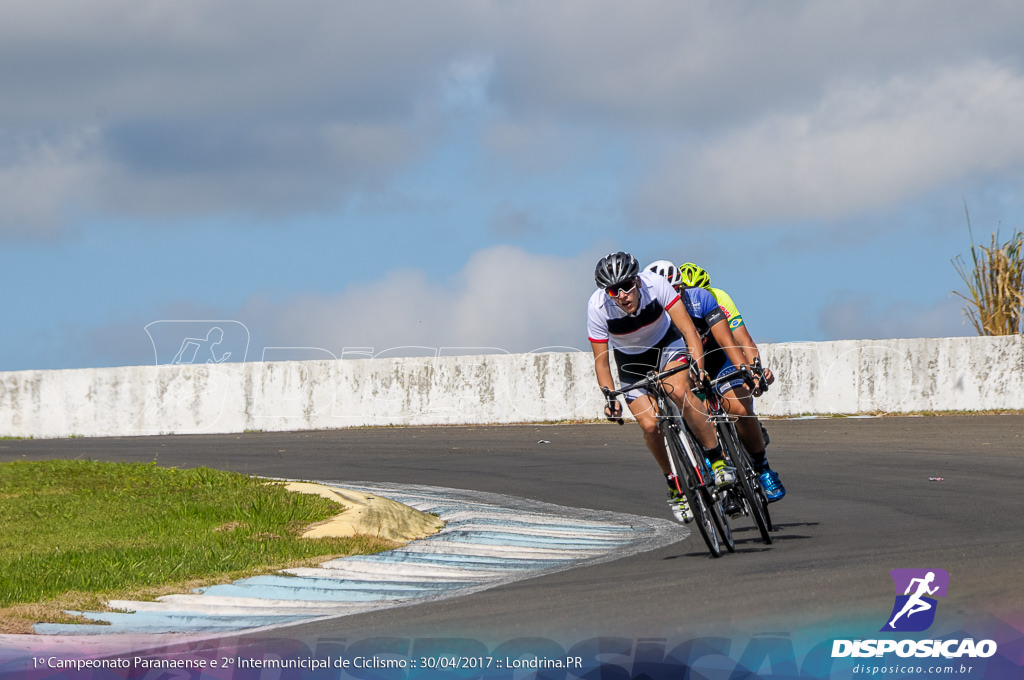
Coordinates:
995 284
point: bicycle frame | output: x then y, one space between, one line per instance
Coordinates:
670 417
687 464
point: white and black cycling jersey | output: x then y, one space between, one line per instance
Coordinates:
632 333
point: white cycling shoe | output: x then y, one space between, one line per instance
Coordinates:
724 476
680 508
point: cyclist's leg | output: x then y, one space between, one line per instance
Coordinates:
696 417
631 368
646 412
739 402
678 388
692 408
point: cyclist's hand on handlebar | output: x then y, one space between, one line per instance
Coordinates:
753 378
699 377
612 408
764 378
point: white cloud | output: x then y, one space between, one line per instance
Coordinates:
465 82
503 298
863 145
40 178
201 109
197 110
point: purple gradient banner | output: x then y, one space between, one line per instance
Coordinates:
989 650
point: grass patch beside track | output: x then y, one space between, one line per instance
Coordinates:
75 533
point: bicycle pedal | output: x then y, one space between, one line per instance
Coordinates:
733 507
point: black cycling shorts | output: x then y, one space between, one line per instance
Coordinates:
634 367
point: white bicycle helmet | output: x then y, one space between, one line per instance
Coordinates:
666 269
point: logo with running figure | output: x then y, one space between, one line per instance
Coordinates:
916 590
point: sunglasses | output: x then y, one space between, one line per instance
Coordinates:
626 287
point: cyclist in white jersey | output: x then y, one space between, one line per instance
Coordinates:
634 316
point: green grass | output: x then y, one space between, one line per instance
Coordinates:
83 527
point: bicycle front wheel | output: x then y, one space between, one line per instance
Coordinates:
714 497
695 494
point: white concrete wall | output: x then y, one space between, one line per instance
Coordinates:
896 376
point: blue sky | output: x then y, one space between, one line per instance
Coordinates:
337 175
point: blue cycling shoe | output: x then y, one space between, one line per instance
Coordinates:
772 487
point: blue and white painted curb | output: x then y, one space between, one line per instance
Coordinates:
488 540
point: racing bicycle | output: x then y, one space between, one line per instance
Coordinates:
746 495
686 458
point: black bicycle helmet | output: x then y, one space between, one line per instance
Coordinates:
615 268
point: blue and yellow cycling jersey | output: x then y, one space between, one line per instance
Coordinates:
729 307
705 311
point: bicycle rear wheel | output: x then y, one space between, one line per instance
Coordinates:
703 515
746 478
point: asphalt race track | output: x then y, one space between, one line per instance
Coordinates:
861 501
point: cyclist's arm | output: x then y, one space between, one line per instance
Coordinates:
750 350
604 376
739 331
602 366
746 343
681 318
724 337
